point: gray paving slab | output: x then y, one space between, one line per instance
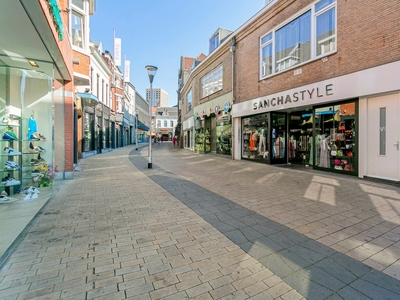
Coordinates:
207 227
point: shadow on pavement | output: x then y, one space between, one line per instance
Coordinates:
313 269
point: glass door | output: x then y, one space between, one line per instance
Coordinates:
278 138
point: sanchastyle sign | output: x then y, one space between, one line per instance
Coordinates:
312 94
286 99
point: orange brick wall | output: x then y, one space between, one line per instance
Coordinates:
84 63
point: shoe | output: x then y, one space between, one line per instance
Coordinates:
12 181
34 162
4 180
10 122
35 173
12 164
36 148
4 198
33 190
34 137
31 196
9 132
39 158
42 137
11 152
8 137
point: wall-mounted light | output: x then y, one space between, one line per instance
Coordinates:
33 63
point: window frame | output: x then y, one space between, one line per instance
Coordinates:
189 95
212 82
81 17
265 42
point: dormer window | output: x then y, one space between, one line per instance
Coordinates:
214 42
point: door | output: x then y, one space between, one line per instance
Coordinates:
383 137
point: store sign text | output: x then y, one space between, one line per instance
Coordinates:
295 97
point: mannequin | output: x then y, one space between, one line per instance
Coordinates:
262 133
253 141
273 142
278 146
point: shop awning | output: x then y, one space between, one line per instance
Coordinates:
141 126
88 99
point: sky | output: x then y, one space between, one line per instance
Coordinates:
159 32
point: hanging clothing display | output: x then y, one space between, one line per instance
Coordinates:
253 141
32 127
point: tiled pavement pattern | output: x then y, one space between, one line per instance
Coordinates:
206 227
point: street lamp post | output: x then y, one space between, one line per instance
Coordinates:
136 114
151 72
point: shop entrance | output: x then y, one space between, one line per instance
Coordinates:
278 138
300 133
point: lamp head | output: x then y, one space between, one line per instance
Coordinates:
151 72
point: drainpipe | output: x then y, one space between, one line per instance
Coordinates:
232 48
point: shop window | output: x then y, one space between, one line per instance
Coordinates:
224 137
88 133
255 137
335 144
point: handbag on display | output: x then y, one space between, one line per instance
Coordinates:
333 150
336 161
349 168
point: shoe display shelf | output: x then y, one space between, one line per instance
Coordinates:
10 158
33 164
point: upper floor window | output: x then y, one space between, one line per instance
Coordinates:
308 36
211 83
165 123
172 124
77 30
78 3
189 101
214 43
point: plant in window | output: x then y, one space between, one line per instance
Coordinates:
45 174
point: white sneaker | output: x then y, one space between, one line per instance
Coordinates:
33 190
12 164
12 181
11 152
4 198
10 122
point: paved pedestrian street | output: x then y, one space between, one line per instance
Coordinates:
204 226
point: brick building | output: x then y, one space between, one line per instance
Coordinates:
314 84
